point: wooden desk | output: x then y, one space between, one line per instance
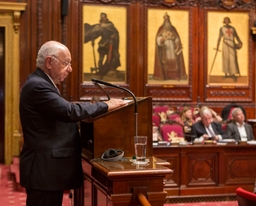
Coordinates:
208 169
118 183
252 122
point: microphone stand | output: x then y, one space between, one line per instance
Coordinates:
97 82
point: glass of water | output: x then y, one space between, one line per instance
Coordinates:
140 145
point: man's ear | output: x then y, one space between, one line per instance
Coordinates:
48 62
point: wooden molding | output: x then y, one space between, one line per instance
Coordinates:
10 20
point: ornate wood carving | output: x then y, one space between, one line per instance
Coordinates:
239 166
228 4
39 24
109 1
16 9
202 169
172 3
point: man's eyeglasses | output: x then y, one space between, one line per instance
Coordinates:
64 63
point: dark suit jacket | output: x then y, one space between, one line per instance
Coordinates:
198 129
51 154
232 131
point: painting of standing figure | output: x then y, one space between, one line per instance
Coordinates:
230 43
168 47
227 62
104 43
108 46
169 62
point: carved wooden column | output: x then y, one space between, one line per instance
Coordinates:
10 20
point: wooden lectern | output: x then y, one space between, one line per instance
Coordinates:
119 183
116 129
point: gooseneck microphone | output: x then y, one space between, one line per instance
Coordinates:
97 82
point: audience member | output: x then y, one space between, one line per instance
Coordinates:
215 117
156 134
226 111
186 119
238 129
206 128
50 160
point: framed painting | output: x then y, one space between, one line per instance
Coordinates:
228 48
104 43
168 46
171 56
227 43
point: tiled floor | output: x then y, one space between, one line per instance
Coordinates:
10 196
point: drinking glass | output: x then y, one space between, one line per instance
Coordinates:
140 145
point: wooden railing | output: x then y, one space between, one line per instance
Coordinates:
143 201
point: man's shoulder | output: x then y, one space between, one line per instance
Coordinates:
198 124
247 124
231 124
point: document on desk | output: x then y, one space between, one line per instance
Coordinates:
227 140
252 142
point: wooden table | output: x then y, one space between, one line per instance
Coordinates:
208 169
252 122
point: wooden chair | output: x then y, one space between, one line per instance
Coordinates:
245 198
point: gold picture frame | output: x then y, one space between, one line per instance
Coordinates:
177 70
225 65
104 42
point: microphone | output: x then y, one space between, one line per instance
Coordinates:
102 89
97 82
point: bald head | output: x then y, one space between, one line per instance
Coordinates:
49 48
54 59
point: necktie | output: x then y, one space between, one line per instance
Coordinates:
211 132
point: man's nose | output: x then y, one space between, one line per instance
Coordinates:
69 68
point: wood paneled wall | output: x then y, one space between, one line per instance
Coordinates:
42 21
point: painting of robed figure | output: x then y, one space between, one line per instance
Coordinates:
168 54
169 61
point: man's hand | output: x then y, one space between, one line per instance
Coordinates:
206 136
115 103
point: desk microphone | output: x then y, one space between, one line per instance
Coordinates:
97 82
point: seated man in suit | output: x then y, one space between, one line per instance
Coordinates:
206 128
238 129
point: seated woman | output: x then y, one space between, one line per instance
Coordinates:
186 119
